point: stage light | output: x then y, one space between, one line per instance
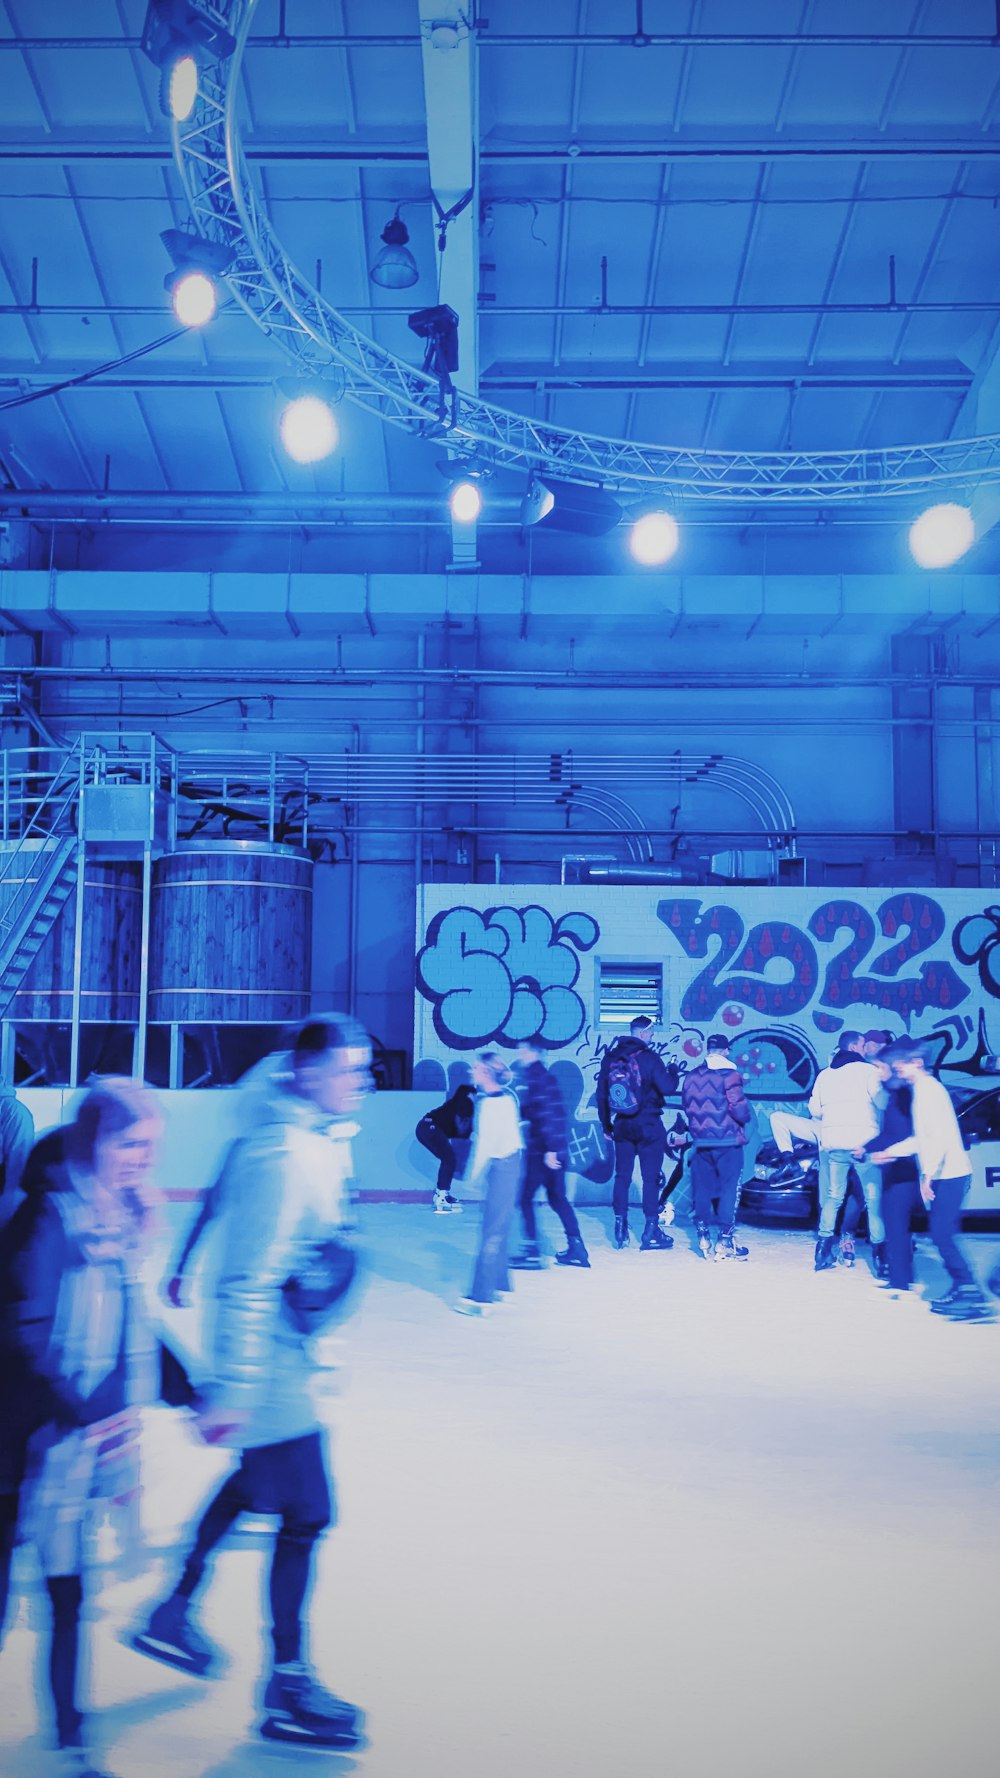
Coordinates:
395 268
308 429
942 535
654 538
466 502
193 297
537 503
182 88
192 284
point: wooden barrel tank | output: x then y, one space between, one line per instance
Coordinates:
111 947
231 934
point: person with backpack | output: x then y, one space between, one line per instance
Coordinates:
438 1131
78 1358
717 1112
633 1086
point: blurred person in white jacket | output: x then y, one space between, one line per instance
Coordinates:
497 1163
945 1176
843 1105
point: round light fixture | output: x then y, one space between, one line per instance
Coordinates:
182 88
654 538
308 429
942 535
194 298
395 268
466 502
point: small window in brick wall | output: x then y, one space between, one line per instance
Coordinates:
627 990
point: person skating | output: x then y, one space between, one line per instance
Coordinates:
872 1045
79 1359
546 1151
945 1175
633 1085
843 1105
717 1114
284 1265
900 1177
497 1158
438 1131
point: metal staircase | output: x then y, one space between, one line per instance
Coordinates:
38 875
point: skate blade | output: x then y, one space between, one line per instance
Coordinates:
286 1730
170 1657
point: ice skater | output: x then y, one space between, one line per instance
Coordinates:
438 1131
843 1104
79 1359
497 1160
717 1113
546 1151
282 1218
945 1175
900 1176
633 1085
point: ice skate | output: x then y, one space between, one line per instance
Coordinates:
667 1214
846 1253
653 1236
575 1255
726 1247
965 1302
75 1762
297 1708
622 1236
468 1305
825 1256
880 1263
705 1243
445 1204
171 1637
528 1260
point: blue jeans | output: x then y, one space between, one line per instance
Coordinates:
834 1167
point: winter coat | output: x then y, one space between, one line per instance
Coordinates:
937 1138
843 1101
715 1105
543 1113
454 1117
284 1194
658 1082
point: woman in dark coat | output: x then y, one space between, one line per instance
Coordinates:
439 1131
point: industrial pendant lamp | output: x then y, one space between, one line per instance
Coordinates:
395 268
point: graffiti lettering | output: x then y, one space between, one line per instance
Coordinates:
921 922
775 942
505 975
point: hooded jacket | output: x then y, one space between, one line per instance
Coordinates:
543 1112
843 1101
658 1082
284 1194
715 1105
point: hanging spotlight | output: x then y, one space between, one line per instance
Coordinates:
395 268
654 538
942 535
537 503
308 429
192 285
466 502
178 36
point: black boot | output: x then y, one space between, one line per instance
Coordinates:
575 1255
825 1256
297 1708
727 1247
171 1637
622 1236
964 1302
653 1236
879 1261
528 1260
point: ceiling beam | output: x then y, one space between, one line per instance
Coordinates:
74 149
487 39
510 310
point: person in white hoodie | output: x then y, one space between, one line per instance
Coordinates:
497 1161
945 1175
843 1105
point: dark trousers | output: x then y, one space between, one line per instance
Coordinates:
289 1479
536 1173
503 1183
900 1198
715 1174
943 1220
650 1145
65 1599
439 1145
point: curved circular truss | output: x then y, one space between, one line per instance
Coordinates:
227 207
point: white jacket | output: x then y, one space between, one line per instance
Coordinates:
937 1139
843 1104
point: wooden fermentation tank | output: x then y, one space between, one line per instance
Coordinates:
111 950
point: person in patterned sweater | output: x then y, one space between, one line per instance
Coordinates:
718 1114
546 1151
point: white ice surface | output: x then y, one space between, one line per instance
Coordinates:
662 1517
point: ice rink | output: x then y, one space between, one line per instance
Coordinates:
717 1521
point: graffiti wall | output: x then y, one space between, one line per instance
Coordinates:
781 971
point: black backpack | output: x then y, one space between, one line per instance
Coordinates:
624 1083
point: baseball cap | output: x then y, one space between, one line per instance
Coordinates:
717 1041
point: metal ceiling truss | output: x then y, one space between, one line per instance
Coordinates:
228 207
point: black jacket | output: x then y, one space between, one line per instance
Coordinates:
658 1082
454 1117
543 1112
